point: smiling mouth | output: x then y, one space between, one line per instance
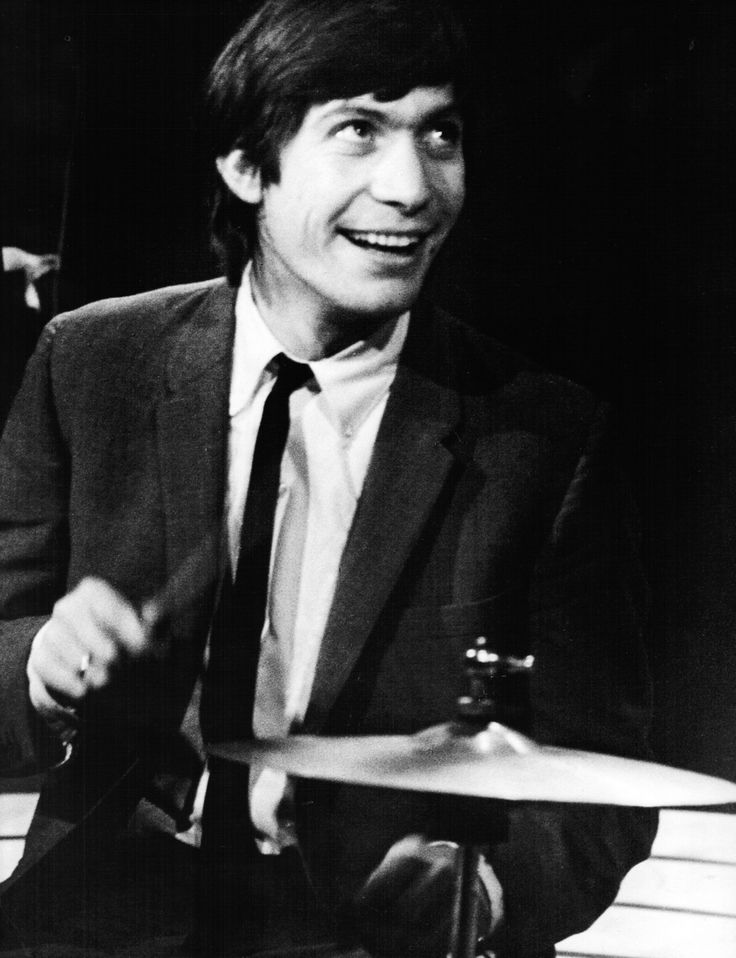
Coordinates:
397 244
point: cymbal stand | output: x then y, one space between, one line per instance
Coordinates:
464 929
483 702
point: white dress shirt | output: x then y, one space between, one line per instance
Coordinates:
334 420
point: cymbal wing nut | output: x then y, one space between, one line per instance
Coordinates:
484 698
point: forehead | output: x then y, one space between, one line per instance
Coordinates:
419 105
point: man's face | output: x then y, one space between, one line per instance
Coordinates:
368 192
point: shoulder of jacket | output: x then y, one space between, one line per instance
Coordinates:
156 305
484 361
124 342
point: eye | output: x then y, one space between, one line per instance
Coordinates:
355 131
445 136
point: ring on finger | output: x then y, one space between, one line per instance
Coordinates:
84 664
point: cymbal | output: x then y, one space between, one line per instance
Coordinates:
495 762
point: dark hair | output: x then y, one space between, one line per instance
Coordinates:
293 54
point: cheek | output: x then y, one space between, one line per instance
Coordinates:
453 192
310 229
283 222
307 211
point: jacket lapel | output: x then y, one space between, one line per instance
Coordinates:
408 470
192 429
409 467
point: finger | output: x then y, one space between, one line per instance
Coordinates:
92 659
72 660
405 907
103 615
55 659
62 718
424 909
395 872
92 631
416 886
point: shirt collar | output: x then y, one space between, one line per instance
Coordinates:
254 348
352 381
356 379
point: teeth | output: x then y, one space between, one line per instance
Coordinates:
387 240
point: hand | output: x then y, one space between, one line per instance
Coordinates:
92 632
34 266
405 906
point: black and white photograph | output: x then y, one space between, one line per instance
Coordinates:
367 479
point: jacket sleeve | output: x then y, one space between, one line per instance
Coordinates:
561 865
34 483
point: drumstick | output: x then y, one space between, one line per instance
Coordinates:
187 586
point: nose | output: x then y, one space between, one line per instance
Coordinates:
400 176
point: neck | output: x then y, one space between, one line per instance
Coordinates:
310 333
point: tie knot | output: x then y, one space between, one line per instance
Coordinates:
290 375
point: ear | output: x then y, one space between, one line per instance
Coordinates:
241 177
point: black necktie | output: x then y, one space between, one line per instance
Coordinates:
229 684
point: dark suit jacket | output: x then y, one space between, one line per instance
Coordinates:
492 506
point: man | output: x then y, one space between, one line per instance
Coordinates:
433 488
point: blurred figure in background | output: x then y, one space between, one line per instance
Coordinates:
21 315
33 266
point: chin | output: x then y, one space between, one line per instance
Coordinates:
389 302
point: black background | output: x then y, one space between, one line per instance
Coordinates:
600 238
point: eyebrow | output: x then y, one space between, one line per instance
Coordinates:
351 108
